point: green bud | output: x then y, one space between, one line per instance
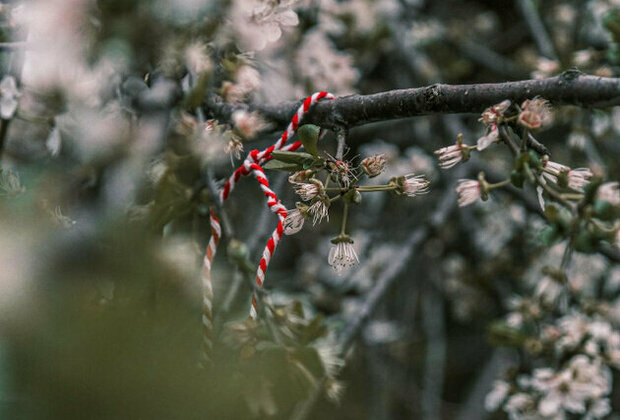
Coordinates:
353 196
517 178
309 137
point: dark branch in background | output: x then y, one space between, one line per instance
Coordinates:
537 28
570 88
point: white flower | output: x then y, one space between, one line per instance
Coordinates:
308 191
496 397
598 409
582 382
490 137
319 210
468 191
520 406
451 155
294 220
415 185
559 392
576 178
8 97
342 255
609 192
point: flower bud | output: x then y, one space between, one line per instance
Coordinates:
373 165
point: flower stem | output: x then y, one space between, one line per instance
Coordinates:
377 188
345 214
498 184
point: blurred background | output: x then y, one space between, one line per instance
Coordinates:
111 148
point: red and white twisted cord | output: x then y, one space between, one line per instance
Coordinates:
207 286
253 165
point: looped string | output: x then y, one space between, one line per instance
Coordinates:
252 165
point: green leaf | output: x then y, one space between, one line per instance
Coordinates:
309 136
292 157
278 165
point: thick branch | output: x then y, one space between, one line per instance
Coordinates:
570 88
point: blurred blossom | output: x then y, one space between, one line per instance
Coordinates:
10 185
248 123
578 140
468 191
247 80
53 144
609 192
324 67
535 113
497 396
382 332
545 68
197 59
260 22
8 97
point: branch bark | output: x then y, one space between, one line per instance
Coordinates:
570 88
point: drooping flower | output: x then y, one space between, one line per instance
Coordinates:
8 97
319 209
469 191
415 185
310 190
451 155
534 113
491 137
295 219
609 192
342 254
373 165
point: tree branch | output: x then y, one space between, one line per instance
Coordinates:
570 88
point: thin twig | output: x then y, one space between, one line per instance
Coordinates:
537 28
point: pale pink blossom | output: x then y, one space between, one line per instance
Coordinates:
491 137
577 178
492 114
415 185
534 113
469 191
610 193
449 156
248 124
260 22
373 165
